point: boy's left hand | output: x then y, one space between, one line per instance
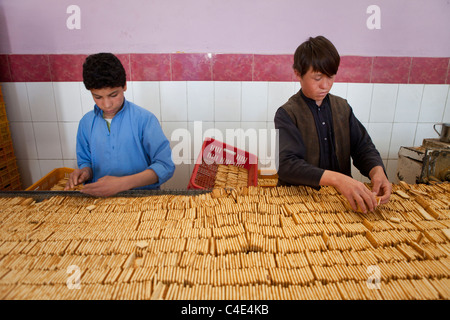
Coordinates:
104 187
381 186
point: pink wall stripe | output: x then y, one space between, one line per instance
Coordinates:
224 67
355 69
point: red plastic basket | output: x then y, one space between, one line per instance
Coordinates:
214 153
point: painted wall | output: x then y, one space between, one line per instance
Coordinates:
407 27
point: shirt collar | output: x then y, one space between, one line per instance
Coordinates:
312 102
99 112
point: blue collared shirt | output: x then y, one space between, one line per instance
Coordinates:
134 143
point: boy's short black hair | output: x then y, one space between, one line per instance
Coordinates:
318 53
103 70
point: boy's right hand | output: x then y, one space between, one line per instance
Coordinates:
357 194
78 176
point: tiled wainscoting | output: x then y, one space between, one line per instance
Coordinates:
44 116
398 99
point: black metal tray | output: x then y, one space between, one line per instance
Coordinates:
42 195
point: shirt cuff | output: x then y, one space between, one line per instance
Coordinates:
162 172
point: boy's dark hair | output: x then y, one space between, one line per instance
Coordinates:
318 53
103 70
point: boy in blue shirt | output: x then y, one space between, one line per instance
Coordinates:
120 146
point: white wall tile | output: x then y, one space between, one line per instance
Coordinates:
267 152
402 136
266 145
67 101
200 100
169 127
70 163
228 132
339 89
15 96
359 96
178 140
87 102
173 101
251 136
146 95
227 101
391 170
433 103
446 118
279 94
355 173
256 125
42 101
68 134
48 143
364 179
24 143
30 172
129 93
424 131
180 178
381 137
198 131
254 101
408 102
384 99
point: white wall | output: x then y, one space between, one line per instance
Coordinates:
44 116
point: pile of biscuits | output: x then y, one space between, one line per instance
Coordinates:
230 176
242 243
61 184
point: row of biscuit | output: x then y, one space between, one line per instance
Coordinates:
429 289
306 276
250 237
42 259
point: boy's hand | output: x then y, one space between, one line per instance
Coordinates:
78 176
357 194
380 184
105 187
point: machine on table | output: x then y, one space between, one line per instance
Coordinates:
428 163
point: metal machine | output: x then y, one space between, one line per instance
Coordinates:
427 163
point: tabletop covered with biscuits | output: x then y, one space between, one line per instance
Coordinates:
230 243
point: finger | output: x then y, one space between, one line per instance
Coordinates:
81 178
352 203
385 197
70 183
370 201
376 187
74 180
361 204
